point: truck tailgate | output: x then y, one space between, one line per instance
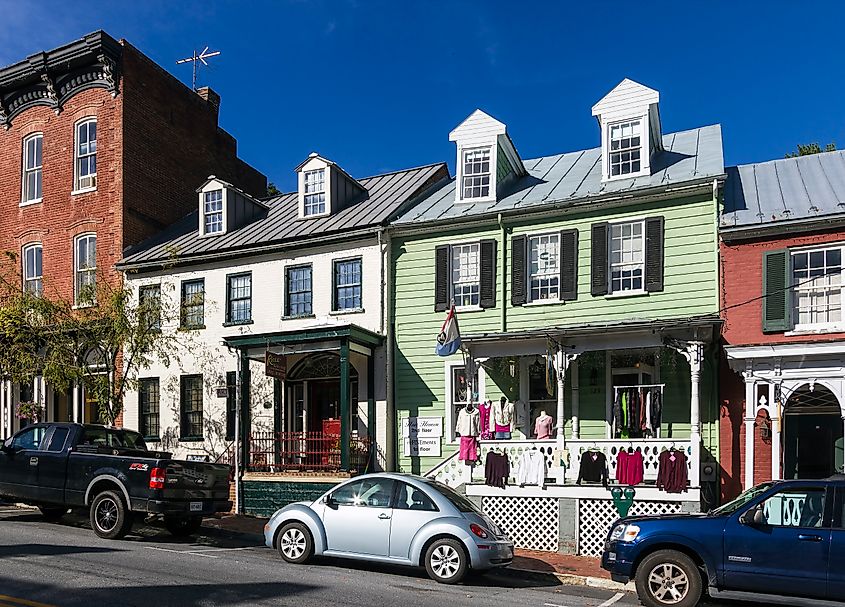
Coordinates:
195 481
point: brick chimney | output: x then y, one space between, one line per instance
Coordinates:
211 98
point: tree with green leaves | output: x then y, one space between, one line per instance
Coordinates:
809 149
101 341
272 190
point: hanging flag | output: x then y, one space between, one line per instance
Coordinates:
449 339
551 380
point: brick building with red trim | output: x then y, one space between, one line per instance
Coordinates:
100 148
783 370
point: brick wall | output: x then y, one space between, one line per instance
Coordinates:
171 144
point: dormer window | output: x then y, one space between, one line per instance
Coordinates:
476 174
213 212
315 193
625 148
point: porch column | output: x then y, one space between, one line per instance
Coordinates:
76 403
4 411
371 411
774 414
694 353
244 417
344 404
561 363
576 401
750 387
38 397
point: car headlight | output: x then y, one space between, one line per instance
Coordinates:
624 533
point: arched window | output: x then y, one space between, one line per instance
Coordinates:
85 155
32 269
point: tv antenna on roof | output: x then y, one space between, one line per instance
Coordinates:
196 59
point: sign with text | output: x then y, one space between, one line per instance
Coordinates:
275 365
422 427
425 447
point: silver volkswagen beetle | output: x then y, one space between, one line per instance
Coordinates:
392 518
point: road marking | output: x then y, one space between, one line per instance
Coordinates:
612 599
221 549
552 605
18 602
208 556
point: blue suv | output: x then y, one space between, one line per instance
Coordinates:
783 539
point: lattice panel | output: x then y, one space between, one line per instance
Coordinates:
532 523
596 516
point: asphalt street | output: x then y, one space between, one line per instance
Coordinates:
64 565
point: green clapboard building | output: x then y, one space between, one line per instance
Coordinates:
576 278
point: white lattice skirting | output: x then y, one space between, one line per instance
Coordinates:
533 523
596 516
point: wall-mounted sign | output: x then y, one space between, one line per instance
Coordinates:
275 365
222 391
422 427
424 447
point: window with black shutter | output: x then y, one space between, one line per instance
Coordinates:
569 265
231 404
518 270
654 254
598 261
776 317
488 274
441 278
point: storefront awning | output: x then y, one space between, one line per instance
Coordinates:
353 333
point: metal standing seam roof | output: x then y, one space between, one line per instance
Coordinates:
688 156
386 195
784 190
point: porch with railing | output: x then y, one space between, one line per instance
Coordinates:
277 452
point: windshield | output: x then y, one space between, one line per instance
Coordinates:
112 437
458 500
743 499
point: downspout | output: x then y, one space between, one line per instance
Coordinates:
390 460
716 228
504 327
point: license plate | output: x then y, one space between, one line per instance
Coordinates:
196 506
611 556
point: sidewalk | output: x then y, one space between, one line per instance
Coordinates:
571 570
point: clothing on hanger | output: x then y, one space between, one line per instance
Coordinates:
468 451
497 469
629 467
469 422
484 410
593 468
543 427
531 469
522 421
672 472
502 419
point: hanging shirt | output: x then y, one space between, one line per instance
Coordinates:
672 472
497 469
502 417
469 422
522 421
543 427
593 468
629 467
484 418
531 469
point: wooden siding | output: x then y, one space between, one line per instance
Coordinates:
691 288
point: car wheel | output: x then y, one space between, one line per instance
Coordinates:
446 561
110 519
51 514
295 543
668 578
182 526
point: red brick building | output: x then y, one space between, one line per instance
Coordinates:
100 148
783 372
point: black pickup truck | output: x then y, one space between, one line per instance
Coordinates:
111 472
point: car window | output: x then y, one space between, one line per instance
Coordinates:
409 497
107 437
743 499
372 492
795 508
29 439
57 441
458 500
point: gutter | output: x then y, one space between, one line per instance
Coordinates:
554 208
810 224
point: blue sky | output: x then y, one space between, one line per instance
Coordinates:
377 86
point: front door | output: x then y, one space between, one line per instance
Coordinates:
788 553
358 518
19 464
323 405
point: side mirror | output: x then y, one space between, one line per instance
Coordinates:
329 501
754 516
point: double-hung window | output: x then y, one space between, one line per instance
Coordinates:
148 405
85 269
190 406
465 268
213 212
149 300
627 257
239 298
314 201
32 148
298 302
32 269
193 304
475 179
347 284
545 267
625 148
86 154
817 287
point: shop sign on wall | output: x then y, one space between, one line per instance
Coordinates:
421 436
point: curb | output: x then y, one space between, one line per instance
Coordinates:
570 579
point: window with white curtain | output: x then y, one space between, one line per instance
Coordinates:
33 269
86 154
817 290
32 159
85 269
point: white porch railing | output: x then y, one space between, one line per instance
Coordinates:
455 473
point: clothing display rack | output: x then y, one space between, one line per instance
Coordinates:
640 388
